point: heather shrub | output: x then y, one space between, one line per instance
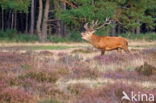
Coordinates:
12 80
122 74
81 51
60 54
2 85
14 62
49 101
128 75
45 53
110 93
82 71
77 89
10 95
146 69
41 76
2 75
85 50
45 75
149 55
70 59
26 66
117 58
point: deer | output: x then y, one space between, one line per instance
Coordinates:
103 43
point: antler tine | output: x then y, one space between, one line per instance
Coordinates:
107 21
86 26
94 23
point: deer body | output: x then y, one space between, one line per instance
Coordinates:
104 43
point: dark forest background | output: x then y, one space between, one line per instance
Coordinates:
54 20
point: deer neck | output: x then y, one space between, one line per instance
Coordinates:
94 40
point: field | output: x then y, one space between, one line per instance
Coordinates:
75 73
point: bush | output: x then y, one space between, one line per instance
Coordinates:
49 101
10 95
56 39
146 69
147 36
41 76
72 37
77 89
75 36
13 36
8 33
112 93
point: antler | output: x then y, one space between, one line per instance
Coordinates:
96 23
107 21
86 26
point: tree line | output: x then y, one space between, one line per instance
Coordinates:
59 17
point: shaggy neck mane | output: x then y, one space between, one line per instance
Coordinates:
95 40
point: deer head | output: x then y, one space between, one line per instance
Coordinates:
92 28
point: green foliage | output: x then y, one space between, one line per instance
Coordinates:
16 5
130 13
87 11
40 76
13 36
75 36
57 39
147 36
72 37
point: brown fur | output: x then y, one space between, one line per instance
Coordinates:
104 43
108 43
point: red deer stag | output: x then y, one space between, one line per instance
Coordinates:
103 43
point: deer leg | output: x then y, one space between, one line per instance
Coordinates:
126 49
119 50
102 52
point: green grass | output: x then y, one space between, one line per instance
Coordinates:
39 47
49 47
13 36
73 36
147 36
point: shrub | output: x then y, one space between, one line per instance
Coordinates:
14 36
147 36
41 76
77 89
83 71
75 36
117 58
111 93
8 33
49 101
146 69
2 85
69 59
57 39
81 51
9 95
